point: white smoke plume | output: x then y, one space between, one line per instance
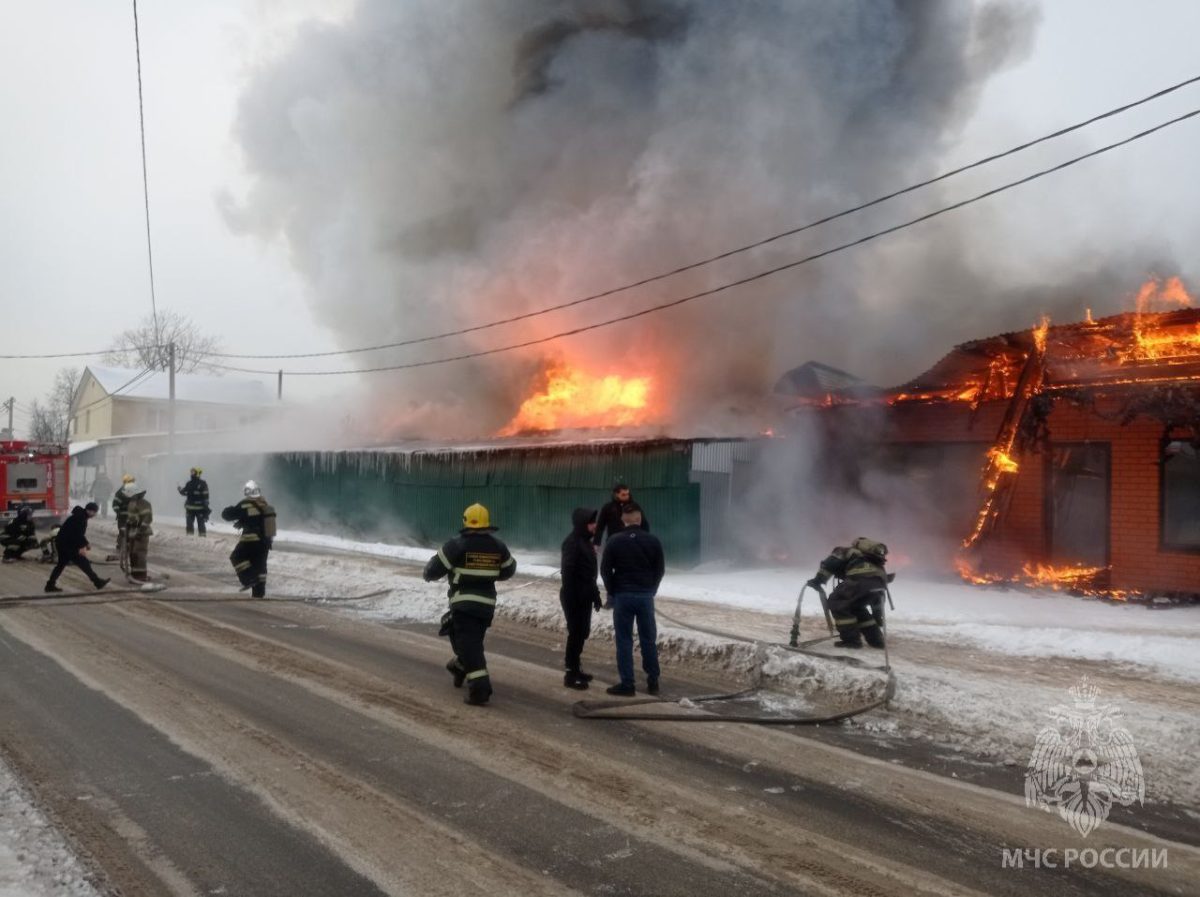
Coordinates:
436 164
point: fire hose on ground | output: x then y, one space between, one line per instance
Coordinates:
611 709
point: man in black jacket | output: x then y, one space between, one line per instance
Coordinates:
632 568
609 520
579 593
20 535
474 561
72 545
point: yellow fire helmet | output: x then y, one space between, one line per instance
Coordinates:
128 478
196 471
476 517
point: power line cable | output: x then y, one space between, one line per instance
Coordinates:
137 45
116 349
740 249
745 280
866 205
59 355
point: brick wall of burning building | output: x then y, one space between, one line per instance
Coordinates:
1068 453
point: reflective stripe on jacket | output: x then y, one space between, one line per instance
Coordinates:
248 515
473 562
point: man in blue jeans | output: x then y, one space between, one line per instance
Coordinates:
632 567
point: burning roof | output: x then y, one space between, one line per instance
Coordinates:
1130 349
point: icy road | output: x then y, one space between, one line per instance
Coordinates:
195 742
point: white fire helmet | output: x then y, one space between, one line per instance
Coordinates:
251 490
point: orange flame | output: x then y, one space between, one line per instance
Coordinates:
1075 578
572 398
1040 332
1151 342
1003 461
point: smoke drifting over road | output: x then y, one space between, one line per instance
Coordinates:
440 163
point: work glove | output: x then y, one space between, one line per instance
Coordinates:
597 604
815 583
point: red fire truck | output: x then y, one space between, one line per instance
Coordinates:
34 474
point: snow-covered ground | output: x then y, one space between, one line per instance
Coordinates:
1008 621
34 859
978 669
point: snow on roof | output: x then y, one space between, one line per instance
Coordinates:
188 387
78 448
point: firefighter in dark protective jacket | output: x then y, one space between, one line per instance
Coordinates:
857 602
19 535
120 504
256 520
474 562
195 502
139 517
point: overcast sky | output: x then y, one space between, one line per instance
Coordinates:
73 268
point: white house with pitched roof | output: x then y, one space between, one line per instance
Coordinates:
119 416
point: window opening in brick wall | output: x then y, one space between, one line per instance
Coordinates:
1078 515
1181 495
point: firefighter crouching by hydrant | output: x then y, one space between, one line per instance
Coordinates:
474 561
19 535
195 502
138 517
120 501
256 520
857 602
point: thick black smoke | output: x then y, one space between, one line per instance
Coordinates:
435 164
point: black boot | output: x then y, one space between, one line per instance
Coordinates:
477 696
457 671
572 679
51 587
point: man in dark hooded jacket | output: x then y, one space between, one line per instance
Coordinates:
579 594
72 545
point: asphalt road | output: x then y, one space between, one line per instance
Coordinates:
190 744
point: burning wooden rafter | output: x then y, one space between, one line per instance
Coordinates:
1001 468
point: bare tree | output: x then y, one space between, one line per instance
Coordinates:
50 419
145 346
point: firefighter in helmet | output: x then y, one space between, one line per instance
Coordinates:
473 562
195 502
19 535
139 516
120 501
857 601
256 520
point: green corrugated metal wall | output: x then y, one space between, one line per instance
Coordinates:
530 492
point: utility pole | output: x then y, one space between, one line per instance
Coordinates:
12 403
171 405
279 388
